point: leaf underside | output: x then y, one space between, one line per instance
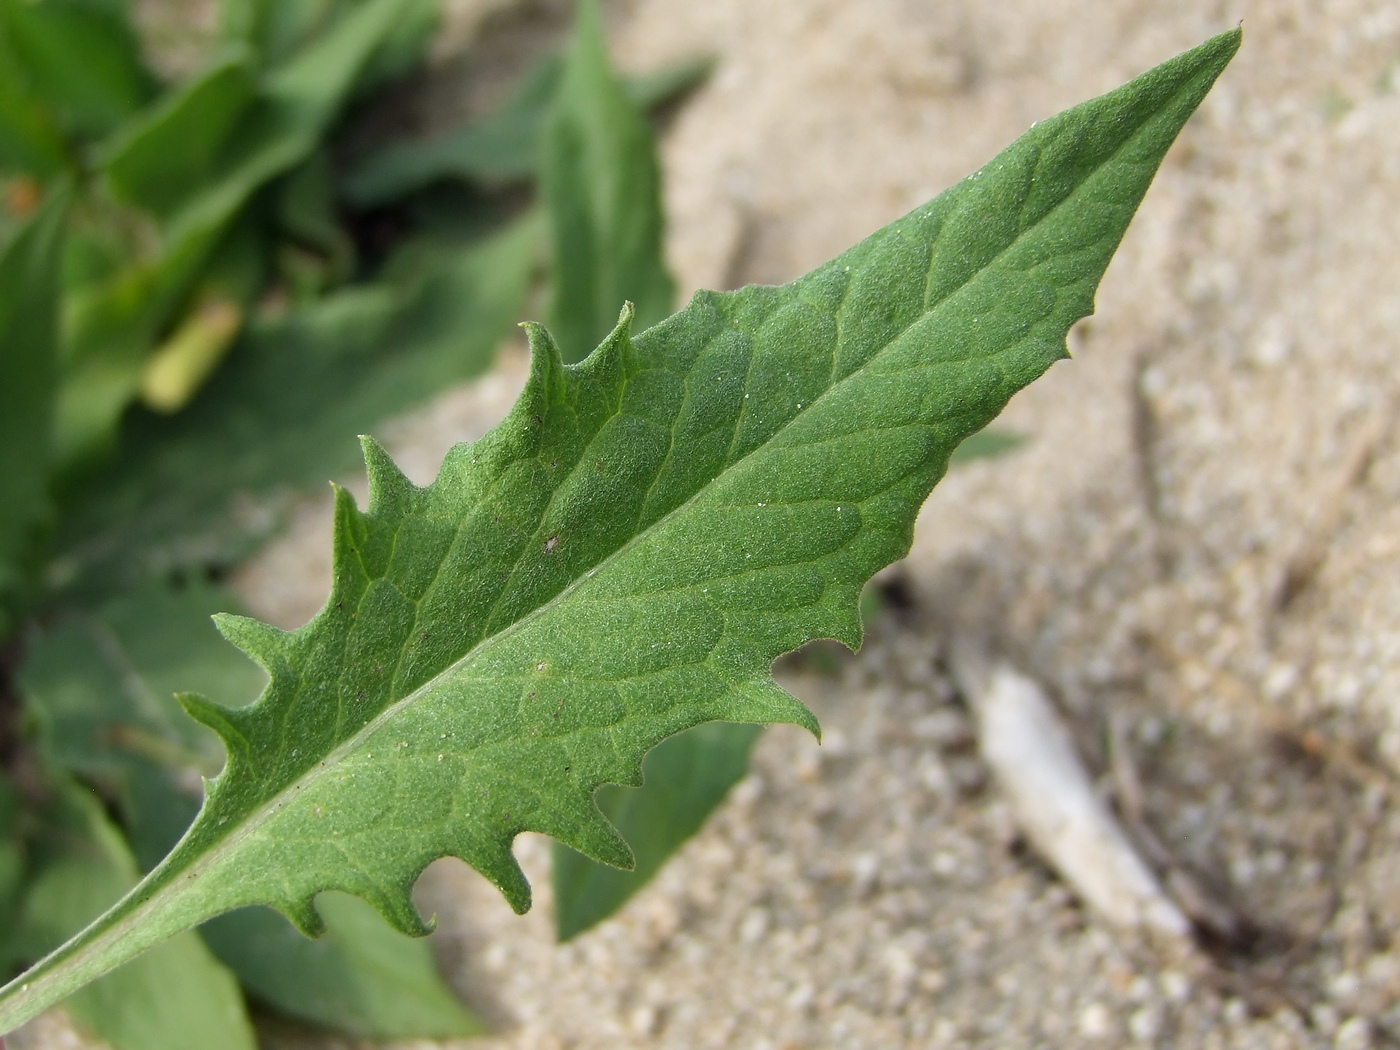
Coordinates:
625 556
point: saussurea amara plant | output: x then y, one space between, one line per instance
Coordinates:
627 553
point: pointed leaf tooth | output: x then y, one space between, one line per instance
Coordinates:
396 905
608 363
838 615
596 836
541 385
497 863
303 915
611 351
267 645
224 721
350 536
388 485
546 360
764 702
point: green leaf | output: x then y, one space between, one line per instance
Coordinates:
275 29
30 140
292 112
684 779
987 444
625 556
29 274
163 159
81 58
602 187
363 977
306 212
100 687
404 47
174 997
505 146
196 163
285 412
12 873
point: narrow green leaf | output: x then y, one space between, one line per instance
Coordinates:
307 213
274 30
403 48
29 274
163 159
172 998
600 182
222 148
295 107
987 444
363 977
82 58
505 146
285 412
100 688
684 779
12 874
30 140
113 326
662 87
625 556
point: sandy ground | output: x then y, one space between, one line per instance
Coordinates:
1197 551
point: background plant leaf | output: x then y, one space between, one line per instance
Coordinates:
684 779
362 977
196 163
171 998
503 147
29 280
81 58
987 444
285 412
601 183
273 30
162 159
101 688
625 556
30 139
12 872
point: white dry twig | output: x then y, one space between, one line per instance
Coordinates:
1033 760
